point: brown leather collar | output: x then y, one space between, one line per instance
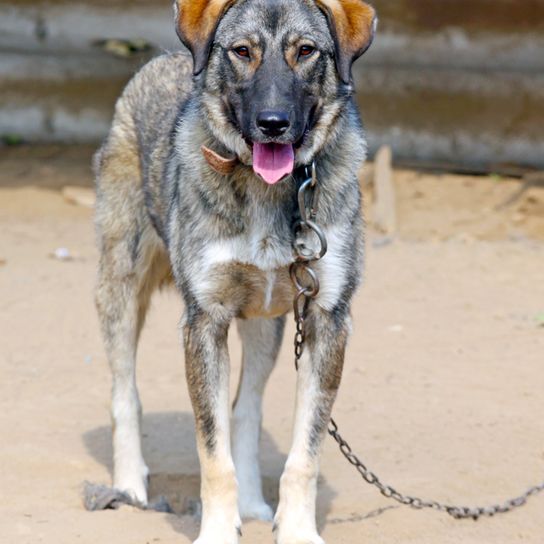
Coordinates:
222 165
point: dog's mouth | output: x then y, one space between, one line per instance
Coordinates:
273 162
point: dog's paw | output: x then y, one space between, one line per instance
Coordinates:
295 530
216 535
311 538
256 510
133 482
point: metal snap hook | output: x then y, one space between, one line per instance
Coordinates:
303 252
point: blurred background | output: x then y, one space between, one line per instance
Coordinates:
449 81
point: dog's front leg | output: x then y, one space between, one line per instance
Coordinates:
319 375
207 368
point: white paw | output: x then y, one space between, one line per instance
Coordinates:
133 483
217 536
295 530
205 539
256 510
311 538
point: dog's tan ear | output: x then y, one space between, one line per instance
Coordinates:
196 24
353 25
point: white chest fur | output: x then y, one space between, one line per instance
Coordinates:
269 254
265 252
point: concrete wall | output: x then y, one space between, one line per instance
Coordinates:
460 81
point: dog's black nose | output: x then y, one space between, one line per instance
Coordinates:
273 123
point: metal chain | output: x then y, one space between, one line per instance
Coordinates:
457 512
306 282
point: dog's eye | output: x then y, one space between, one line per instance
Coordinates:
306 51
242 51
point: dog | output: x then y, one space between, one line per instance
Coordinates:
195 187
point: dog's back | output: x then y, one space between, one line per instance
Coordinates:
144 118
129 165
128 169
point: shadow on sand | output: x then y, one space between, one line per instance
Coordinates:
170 453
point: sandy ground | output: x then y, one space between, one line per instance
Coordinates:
442 393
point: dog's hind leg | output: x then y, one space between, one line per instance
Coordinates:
261 339
132 264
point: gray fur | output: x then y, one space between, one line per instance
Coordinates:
163 215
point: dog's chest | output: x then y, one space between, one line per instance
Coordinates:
248 274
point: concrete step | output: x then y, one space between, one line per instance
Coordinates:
453 83
460 116
63 28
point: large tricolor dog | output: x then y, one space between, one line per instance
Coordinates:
197 186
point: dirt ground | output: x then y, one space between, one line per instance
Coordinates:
442 394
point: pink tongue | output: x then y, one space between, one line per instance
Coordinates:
273 161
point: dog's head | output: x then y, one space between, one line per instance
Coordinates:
275 74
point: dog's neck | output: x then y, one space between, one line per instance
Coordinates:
222 165
226 165
337 165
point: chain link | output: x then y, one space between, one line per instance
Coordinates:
307 286
457 512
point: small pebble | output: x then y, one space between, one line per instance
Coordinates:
62 254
